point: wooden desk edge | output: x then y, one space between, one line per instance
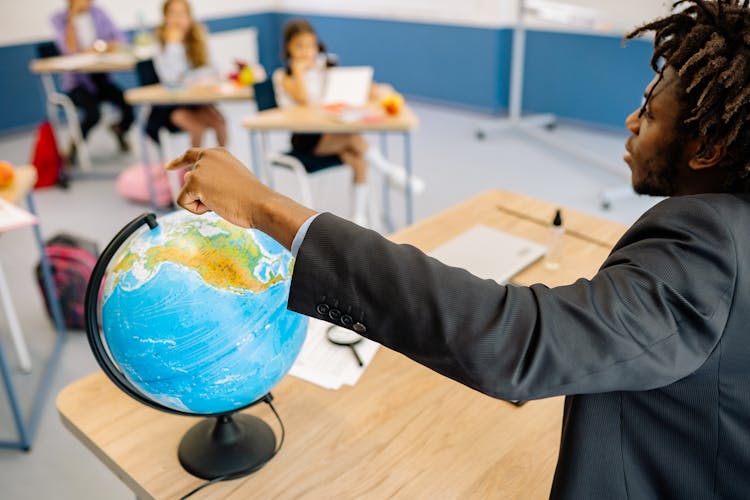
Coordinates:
408 121
60 403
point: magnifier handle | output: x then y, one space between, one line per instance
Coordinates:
356 355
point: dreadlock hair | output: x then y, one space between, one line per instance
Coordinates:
707 42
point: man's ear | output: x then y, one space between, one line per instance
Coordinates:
704 155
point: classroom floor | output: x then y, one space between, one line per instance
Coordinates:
452 162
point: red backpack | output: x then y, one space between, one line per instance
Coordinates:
47 159
72 260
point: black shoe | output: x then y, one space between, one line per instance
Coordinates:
122 141
71 157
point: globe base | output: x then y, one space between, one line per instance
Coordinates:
229 446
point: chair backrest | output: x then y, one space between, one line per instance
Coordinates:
146 72
47 49
264 95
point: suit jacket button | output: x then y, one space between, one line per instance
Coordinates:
334 314
359 327
322 309
346 320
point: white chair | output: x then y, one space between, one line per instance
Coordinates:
55 99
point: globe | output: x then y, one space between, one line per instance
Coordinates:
194 315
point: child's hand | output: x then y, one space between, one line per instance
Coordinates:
298 67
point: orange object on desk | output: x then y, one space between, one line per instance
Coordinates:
7 174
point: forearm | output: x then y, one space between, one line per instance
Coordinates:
295 87
71 39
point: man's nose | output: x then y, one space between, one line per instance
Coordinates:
633 122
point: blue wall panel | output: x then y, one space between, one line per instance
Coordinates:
585 77
447 63
22 95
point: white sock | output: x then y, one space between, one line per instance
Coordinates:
375 158
396 174
359 204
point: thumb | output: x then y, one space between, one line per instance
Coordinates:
188 158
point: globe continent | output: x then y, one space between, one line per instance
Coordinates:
194 314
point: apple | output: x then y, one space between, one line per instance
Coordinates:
393 103
7 174
245 76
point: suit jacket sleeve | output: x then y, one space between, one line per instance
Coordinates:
651 315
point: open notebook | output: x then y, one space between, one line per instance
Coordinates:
489 253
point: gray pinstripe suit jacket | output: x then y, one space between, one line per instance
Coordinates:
653 352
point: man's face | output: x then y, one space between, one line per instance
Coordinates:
655 151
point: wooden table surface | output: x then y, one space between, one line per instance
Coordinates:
22 183
161 95
84 63
316 120
402 432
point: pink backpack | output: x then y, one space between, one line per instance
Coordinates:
72 260
132 184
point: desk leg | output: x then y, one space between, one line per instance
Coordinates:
25 434
15 327
23 441
47 280
409 191
145 157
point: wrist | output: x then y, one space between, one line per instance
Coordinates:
279 217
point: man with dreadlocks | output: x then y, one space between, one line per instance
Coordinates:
653 352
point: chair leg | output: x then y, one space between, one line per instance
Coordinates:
74 126
175 186
304 185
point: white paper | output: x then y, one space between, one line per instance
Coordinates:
489 253
329 365
13 217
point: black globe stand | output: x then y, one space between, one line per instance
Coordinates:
229 445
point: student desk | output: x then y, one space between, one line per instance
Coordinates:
402 432
23 184
77 63
84 63
159 95
309 119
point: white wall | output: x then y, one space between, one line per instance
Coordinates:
29 20
462 12
617 15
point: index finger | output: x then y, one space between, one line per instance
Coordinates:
188 158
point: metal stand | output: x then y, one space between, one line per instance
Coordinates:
532 125
27 431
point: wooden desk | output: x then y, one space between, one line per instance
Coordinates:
402 432
310 119
22 187
84 63
161 95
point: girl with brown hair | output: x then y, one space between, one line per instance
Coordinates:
183 59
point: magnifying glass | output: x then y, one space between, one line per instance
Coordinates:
344 338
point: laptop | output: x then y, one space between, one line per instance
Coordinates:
489 253
347 85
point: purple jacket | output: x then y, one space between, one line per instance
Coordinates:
105 30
